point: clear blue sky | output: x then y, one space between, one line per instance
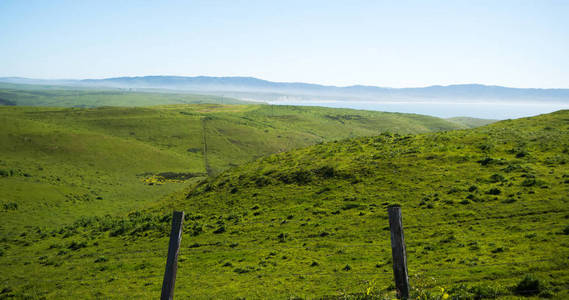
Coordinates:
384 43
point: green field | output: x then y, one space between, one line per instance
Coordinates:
60 96
59 164
85 211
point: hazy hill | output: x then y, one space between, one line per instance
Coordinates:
253 88
482 209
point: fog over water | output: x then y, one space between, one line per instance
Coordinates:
485 110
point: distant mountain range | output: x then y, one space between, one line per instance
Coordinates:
257 89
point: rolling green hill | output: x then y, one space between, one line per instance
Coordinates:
59 164
61 96
483 208
471 122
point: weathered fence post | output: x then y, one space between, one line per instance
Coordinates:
398 252
172 260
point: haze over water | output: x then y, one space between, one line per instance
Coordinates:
499 111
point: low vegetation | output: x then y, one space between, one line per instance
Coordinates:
60 96
484 210
58 164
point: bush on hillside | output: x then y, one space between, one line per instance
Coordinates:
497 178
528 286
299 177
494 191
325 172
10 206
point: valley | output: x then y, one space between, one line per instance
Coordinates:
295 205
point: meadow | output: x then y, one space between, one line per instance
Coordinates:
294 207
60 96
60 164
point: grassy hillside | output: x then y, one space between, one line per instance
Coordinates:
59 164
482 209
471 122
40 95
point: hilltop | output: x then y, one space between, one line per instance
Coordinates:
482 209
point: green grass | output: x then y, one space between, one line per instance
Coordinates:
39 95
65 163
471 122
485 210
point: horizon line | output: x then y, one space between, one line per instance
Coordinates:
287 82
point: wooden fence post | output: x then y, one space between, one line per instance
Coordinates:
172 260
398 252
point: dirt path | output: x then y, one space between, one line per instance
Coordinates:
208 169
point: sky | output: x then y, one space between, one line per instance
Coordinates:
381 43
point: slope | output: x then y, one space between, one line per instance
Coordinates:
61 96
482 209
471 122
59 164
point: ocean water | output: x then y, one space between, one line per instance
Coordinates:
485 110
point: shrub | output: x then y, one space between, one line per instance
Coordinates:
453 190
299 177
529 182
262 181
498 250
121 228
243 270
497 178
6 292
101 259
494 191
76 245
325 172
486 161
511 168
528 286
282 237
219 230
10 206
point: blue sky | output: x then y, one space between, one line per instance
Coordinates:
383 43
